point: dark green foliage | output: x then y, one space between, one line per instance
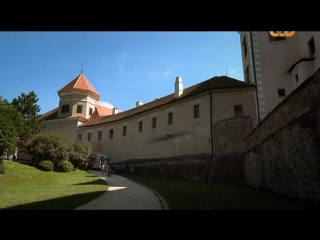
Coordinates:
2 170
80 151
46 165
53 146
65 166
11 125
27 105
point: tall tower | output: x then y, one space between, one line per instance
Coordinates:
277 65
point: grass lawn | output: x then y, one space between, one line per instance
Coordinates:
181 195
25 187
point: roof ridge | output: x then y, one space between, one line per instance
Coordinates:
76 81
85 82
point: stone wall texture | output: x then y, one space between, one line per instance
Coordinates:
283 152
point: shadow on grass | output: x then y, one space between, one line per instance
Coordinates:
64 203
91 176
94 182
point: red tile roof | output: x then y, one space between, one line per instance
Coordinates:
77 115
103 111
103 114
82 83
222 82
53 114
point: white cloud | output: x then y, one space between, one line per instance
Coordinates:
167 73
105 104
233 71
153 73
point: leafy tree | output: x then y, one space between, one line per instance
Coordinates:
11 126
53 146
27 105
80 151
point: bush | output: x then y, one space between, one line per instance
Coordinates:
46 165
1 167
77 163
65 166
54 146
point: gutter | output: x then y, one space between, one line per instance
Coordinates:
211 136
254 76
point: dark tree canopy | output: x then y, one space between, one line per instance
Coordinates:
27 105
11 126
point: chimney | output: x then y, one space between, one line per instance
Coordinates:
115 110
138 104
178 87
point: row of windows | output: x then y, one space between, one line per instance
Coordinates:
196 114
65 109
238 112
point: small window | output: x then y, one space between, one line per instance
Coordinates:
247 75
238 111
297 78
90 111
170 118
140 126
196 111
79 108
65 109
89 137
154 122
244 43
271 38
282 92
79 136
111 134
99 135
124 131
312 47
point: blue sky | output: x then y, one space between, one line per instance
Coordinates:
124 67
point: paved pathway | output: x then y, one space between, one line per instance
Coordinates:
124 194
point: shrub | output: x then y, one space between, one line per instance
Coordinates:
54 146
65 166
1 167
46 165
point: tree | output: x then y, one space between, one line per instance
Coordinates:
11 126
27 105
53 146
80 151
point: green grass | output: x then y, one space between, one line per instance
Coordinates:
25 187
181 195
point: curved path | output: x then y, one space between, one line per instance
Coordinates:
124 194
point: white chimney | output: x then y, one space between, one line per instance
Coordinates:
115 110
138 104
178 87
